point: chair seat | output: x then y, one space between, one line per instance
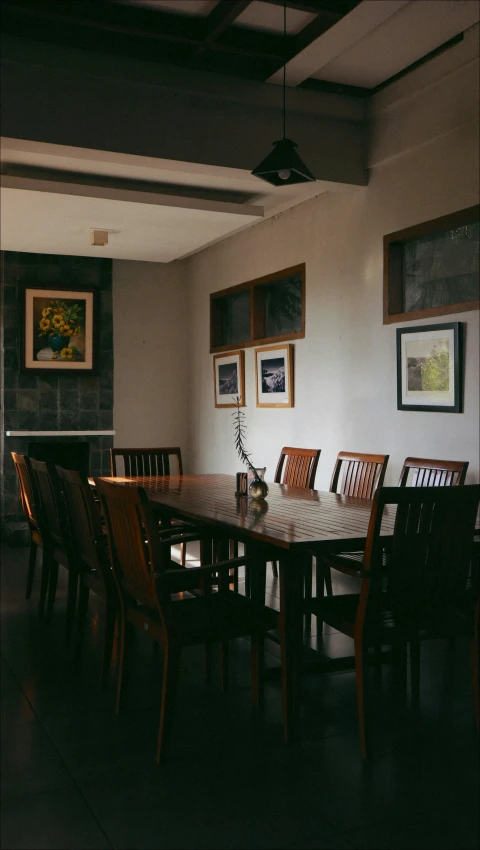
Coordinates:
340 612
214 617
350 563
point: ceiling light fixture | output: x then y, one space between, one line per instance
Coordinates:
283 166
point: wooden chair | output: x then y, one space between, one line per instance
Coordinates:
296 468
146 580
354 474
146 462
427 593
31 507
54 531
87 553
421 472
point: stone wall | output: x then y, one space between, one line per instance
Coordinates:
53 402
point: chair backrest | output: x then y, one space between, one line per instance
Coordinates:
54 526
297 467
86 538
356 474
431 553
146 462
422 472
134 547
28 490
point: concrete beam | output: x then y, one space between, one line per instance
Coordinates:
72 97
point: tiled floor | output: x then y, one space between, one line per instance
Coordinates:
75 776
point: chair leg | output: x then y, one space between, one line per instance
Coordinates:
121 659
320 582
81 620
110 620
415 671
31 568
327 574
73 579
52 588
307 594
359 671
46 563
183 554
171 666
233 553
475 671
224 665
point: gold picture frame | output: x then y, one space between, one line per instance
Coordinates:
59 330
229 379
274 376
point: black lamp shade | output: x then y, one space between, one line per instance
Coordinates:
285 161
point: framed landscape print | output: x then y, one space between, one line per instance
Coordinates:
274 376
229 379
58 330
429 369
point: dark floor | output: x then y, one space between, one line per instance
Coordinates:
76 776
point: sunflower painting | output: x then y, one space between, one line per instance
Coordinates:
58 330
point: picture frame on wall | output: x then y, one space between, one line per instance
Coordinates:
229 379
429 368
59 330
274 376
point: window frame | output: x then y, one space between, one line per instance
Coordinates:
393 267
256 311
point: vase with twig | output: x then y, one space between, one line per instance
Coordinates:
258 488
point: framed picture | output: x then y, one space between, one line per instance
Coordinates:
274 376
58 330
229 379
429 370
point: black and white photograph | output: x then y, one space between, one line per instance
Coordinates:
229 379
274 376
428 368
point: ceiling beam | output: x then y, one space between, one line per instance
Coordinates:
324 20
175 32
219 19
303 6
222 16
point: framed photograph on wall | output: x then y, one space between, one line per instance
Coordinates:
274 376
58 330
429 368
229 378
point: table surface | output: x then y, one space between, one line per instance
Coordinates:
289 518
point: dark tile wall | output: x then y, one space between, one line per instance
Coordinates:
53 402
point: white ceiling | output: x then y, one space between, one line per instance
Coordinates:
55 216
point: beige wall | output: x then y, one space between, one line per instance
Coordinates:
423 164
345 368
150 393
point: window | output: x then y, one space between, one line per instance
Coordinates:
433 268
268 309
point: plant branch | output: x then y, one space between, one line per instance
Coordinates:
240 429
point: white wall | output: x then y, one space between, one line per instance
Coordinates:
149 330
345 368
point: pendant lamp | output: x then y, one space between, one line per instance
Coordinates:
283 166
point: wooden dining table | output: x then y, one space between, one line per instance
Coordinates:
285 527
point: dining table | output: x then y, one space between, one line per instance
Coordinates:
285 526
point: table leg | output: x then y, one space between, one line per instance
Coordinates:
257 571
290 623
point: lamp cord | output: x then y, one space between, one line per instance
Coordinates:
284 62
